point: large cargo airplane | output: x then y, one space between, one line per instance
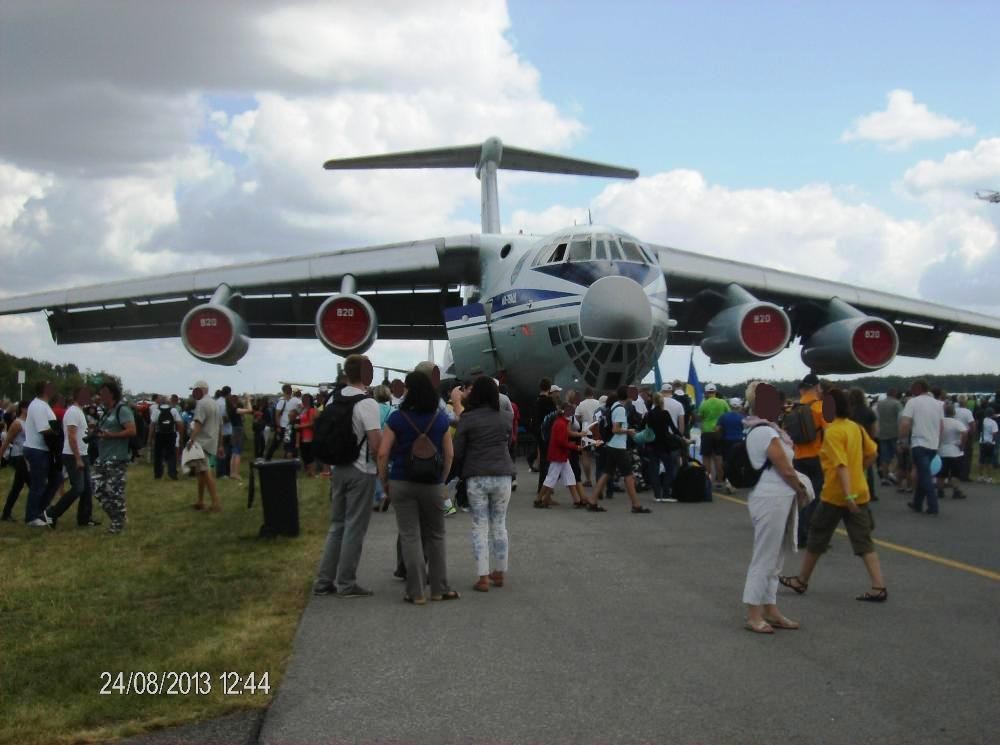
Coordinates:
587 305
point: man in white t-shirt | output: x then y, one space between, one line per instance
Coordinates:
672 406
954 442
352 490
965 416
585 411
46 468
920 424
987 446
638 401
76 463
285 411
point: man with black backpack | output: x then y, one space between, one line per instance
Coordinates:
615 431
804 425
165 425
347 436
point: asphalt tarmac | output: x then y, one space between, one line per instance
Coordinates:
621 628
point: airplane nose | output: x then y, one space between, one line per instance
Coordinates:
616 308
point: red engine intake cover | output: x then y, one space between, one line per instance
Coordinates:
764 330
208 332
215 334
874 343
346 324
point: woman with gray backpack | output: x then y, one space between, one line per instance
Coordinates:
414 457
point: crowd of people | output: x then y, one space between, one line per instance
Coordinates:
429 452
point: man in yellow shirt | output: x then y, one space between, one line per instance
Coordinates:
846 452
807 441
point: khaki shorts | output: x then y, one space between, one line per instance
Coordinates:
198 465
825 519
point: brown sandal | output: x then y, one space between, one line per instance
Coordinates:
794 583
496 578
483 585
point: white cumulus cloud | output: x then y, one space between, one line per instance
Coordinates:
962 171
903 122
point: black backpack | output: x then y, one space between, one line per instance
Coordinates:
692 483
547 423
635 419
607 427
136 441
165 421
424 464
334 441
738 468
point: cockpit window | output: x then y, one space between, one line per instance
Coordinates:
601 249
558 255
614 251
632 252
579 249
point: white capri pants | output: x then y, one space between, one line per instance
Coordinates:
770 516
559 472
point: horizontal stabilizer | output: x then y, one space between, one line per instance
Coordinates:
470 156
516 159
443 157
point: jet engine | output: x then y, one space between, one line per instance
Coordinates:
849 341
745 330
346 324
215 333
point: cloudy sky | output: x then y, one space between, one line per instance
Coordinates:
844 140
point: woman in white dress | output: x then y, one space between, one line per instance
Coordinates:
773 507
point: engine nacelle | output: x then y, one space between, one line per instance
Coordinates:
215 333
846 340
747 332
857 344
346 324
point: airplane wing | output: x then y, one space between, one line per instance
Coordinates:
280 297
695 283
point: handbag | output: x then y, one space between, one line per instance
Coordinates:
645 437
193 453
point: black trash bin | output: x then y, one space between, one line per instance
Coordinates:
278 494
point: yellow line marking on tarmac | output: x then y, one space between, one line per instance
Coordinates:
971 569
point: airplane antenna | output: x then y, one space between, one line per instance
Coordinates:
989 196
590 220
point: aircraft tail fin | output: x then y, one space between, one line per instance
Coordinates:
486 158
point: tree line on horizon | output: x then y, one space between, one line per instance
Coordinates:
981 383
65 377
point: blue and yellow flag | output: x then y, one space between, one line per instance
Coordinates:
693 388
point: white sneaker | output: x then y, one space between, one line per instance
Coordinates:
670 499
659 499
46 518
38 523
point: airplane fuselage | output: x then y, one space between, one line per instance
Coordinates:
584 306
